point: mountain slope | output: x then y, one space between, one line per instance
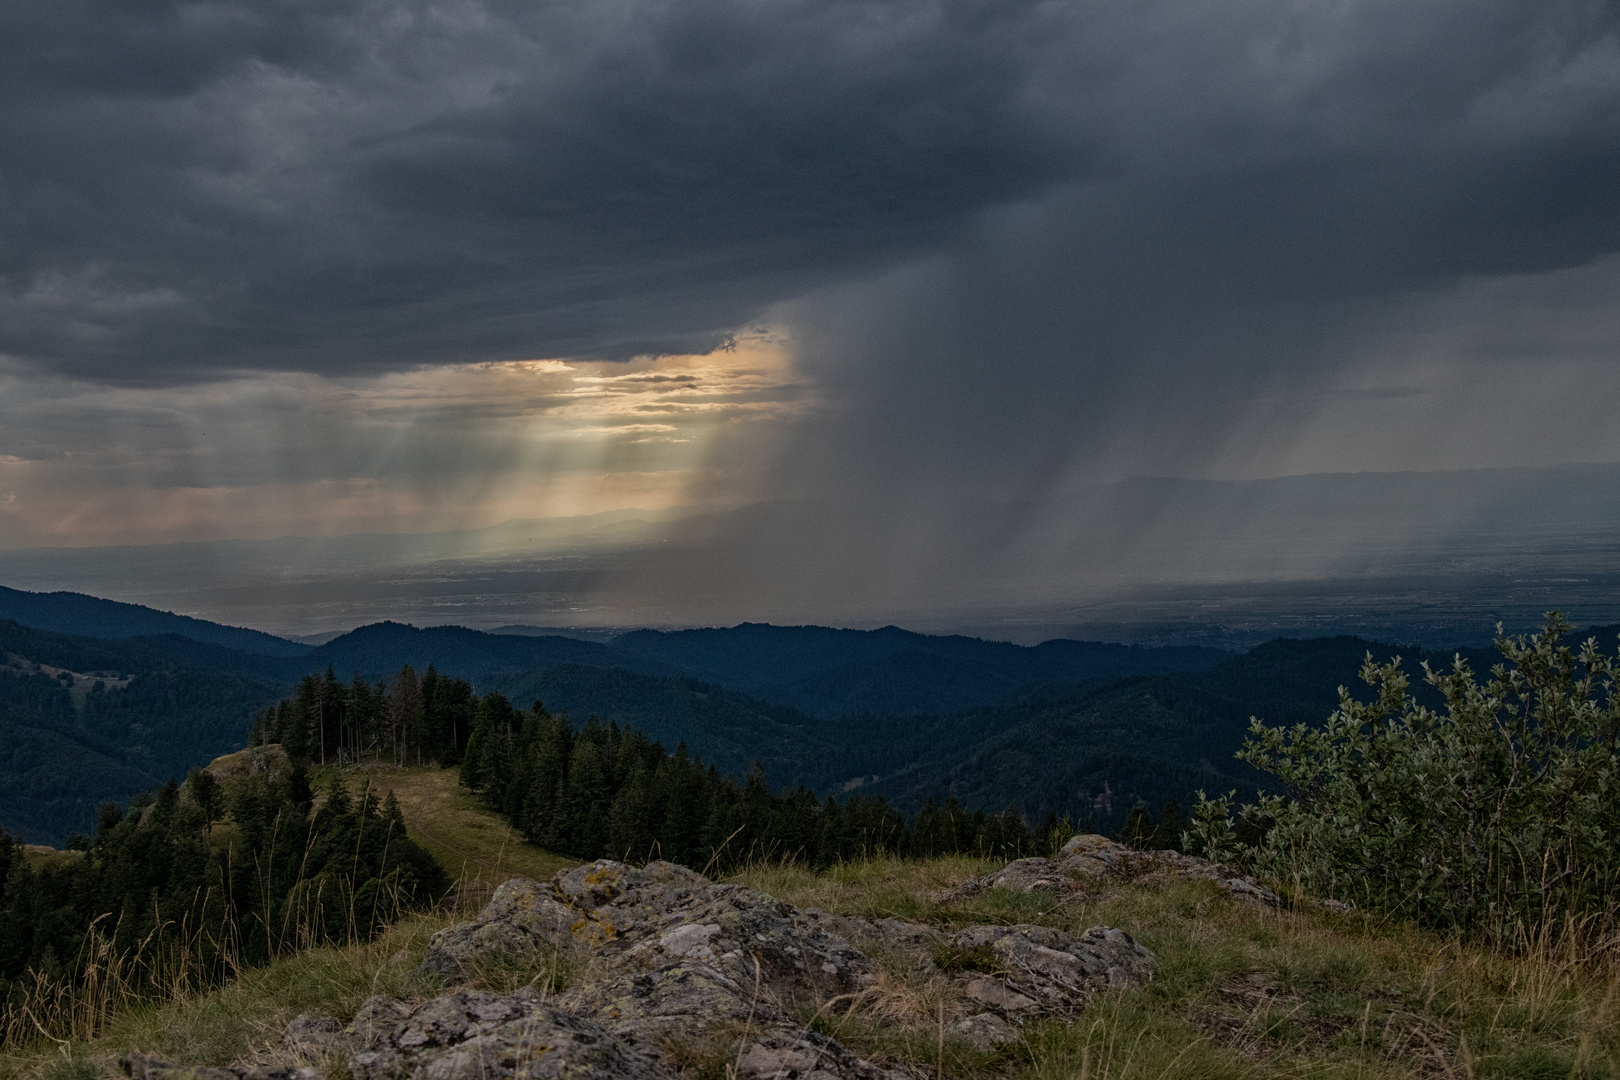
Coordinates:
1072 727
381 649
1096 750
84 721
725 728
825 672
90 616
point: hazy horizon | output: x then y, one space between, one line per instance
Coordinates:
1170 561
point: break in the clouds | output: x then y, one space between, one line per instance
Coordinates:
287 261
434 448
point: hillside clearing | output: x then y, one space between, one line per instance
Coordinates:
477 848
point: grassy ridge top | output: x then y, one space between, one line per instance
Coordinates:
478 849
1240 992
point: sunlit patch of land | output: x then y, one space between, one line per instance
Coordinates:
39 855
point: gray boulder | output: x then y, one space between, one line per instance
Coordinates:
674 957
682 999
1090 858
1041 971
473 1035
690 1001
678 968
782 1051
628 920
1097 856
151 1067
522 916
1029 875
986 1030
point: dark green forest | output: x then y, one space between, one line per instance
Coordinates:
1068 728
405 720
196 881
607 791
84 721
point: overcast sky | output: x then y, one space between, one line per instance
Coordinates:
284 267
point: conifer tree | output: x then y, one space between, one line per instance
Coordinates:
404 714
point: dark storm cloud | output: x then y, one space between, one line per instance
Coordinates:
1283 183
359 186
1323 237
366 185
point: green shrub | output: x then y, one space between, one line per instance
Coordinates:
1497 813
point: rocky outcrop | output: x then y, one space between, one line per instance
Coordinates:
253 761
1090 858
679 959
1042 971
473 1035
639 920
676 969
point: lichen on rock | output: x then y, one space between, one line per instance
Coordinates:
1091 858
151 1067
628 919
474 1035
1045 971
677 964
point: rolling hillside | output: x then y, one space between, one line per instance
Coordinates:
84 721
1078 728
91 616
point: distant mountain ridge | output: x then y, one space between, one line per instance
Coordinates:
91 616
1071 727
829 672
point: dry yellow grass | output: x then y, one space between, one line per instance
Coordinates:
475 847
241 1022
1241 992
44 855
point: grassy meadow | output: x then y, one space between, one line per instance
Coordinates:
1240 992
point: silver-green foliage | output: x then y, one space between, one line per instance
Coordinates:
1499 813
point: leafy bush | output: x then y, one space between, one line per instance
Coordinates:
1497 813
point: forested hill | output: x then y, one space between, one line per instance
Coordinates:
1096 750
84 721
826 672
91 616
819 671
1073 727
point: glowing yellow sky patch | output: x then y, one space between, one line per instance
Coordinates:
439 448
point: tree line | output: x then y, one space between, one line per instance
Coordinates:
189 884
609 791
407 719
